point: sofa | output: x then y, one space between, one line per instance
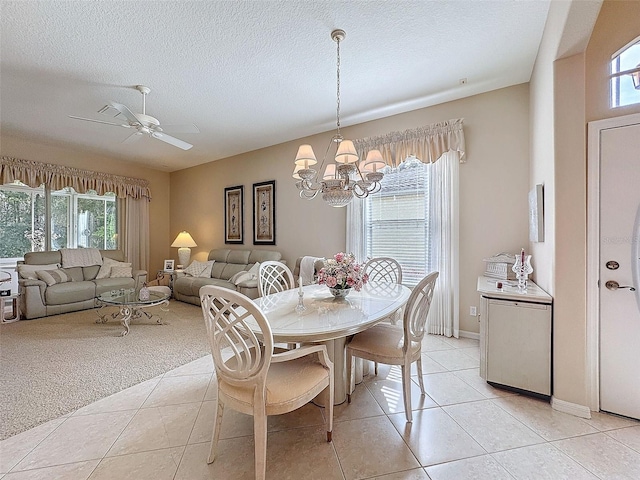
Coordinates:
76 288
227 266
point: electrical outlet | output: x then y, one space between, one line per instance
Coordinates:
473 311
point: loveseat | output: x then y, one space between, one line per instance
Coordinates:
62 290
227 264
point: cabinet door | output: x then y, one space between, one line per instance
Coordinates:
519 345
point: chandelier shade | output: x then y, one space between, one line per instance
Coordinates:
345 177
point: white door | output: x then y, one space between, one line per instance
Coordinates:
620 264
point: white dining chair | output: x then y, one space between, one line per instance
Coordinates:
251 378
274 277
395 345
383 270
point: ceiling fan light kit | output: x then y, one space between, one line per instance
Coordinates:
143 123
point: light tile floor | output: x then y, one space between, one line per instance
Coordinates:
463 429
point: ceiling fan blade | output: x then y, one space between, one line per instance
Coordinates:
134 137
187 128
99 121
176 142
124 110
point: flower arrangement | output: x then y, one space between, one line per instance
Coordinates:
342 272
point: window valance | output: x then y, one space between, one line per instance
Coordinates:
427 143
57 177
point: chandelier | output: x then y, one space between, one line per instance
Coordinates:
345 178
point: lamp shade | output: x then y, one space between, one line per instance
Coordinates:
346 152
305 156
296 170
330 172
184 239
373 162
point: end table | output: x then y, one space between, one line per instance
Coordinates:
15 305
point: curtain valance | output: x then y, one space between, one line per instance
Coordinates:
57 177
427 143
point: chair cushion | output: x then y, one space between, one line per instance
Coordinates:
286 382
382 340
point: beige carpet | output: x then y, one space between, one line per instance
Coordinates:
54 365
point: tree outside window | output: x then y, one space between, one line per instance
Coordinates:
76 220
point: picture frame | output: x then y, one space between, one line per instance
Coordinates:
264 213
169 265
234 215
536 214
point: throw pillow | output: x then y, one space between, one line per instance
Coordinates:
242 277
206 273
195 268
51 277
199 269
234 278
254 270
119 271
105 269
29 271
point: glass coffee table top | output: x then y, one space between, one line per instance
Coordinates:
130 306
130 298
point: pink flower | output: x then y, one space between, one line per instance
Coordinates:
331 282
339 257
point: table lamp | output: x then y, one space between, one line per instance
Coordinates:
184 242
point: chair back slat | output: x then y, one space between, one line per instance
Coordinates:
274 277
239 355
383 270
417 309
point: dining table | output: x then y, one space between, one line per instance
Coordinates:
328 320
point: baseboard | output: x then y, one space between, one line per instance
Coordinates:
581 411
465 334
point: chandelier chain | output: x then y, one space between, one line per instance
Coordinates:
344 179
338 87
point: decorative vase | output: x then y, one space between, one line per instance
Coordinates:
144 293
522 269
340 292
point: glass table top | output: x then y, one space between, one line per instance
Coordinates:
130 297
326 318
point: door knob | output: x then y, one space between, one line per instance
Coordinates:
613 285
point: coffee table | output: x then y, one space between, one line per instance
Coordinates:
130 306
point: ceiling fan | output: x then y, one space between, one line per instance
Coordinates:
143 124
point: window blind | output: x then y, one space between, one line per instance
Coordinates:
397 220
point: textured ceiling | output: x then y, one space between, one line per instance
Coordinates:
249 74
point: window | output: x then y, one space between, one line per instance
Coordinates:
76 220
396 220
625 75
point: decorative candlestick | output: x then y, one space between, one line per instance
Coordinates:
522 269
300 307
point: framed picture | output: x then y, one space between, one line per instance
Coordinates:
169 265
536 214
234 215
264 213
